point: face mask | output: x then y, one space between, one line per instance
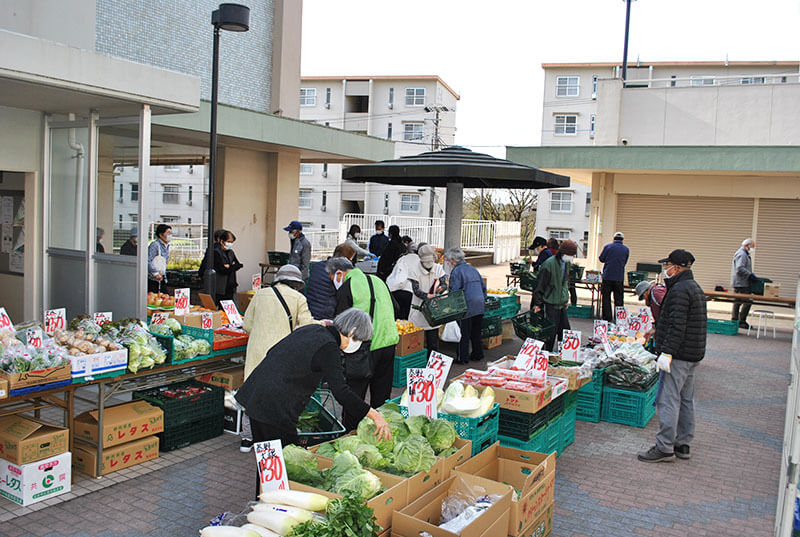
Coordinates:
227 245
379 232
352 347
427 265
753 250
666 274
291 234
337 283
356 235
168 237
568 258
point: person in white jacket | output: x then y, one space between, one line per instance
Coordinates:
427 279
398 283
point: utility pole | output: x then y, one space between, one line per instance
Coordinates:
436 109
625 45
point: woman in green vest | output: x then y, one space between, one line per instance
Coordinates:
552 289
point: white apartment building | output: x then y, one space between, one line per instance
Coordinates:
563 213
397 108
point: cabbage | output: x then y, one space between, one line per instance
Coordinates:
204 347
301 465
348 443
440 434
173 325
414 454
360 482
343 463
366 433
391 412
416 424
447 452
326 450
370 456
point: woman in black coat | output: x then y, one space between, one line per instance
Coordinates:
391 253
225 265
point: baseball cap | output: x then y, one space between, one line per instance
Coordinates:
619 235
682 258
294 225
289 273
642 287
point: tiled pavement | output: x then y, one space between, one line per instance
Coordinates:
729 487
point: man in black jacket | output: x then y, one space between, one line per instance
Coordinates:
680 344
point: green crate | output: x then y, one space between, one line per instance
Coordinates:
553 437
527 281
645 386
178 411
581 312
491 326
523 425
636 276
475 428
508 311
517 268
509 301
329 427
401 363
628 407
590 398
718 326
567 424
444 308
484 442
570 399
278 258
180 436
533 325
575 272
757 285
98 376
491 303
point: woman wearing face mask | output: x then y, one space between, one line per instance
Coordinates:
279 388
226 265
158 258
352 240
552 289
427 279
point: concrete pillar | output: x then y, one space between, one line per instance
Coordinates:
283 187
454 210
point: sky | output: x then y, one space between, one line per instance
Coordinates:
491 51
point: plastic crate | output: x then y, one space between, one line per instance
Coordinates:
491 326
508 311
278 258
553 436
636 276
180 436
590 398
517 268
536 443
533 325
570 399
39 388
330 427
628 407
523 425
581 312
178 411
444 308
484 442
99 376
491 303
718 326
757 285
527 281
645 386
196 333
227 339
401 363
475 429
576 272
567 424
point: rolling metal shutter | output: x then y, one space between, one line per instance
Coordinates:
777 254
711 228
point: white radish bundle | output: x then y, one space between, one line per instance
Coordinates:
295 498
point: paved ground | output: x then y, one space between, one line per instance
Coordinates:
728 488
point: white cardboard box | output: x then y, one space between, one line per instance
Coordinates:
94 364
36 481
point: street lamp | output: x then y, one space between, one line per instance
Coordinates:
233 18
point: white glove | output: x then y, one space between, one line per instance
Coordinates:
663 362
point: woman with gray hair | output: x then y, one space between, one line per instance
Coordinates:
278 390
465 276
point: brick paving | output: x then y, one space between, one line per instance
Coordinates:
729 487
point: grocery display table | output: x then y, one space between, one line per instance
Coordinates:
756 299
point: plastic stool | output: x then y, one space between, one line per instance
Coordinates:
763 316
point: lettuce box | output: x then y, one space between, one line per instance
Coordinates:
24 440
121 423
114 458
36 481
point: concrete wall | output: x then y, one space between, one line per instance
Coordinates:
283 185
20 139
287 33
71 22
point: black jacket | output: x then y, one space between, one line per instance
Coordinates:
128 248
390 255
378 243
278 390
681 325
226 277
320 292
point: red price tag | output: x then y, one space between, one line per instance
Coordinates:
600 329
571 345
607 345
527 354
647 318
5 320
159 317
621 315
635 324
421 392
33 337
181 301
441 364
230 310
103 317
256 282
55 320
271 467
207 320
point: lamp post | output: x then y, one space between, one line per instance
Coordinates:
625 44
233 18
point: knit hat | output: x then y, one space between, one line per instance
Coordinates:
288 273
642 287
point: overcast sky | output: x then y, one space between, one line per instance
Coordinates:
491 51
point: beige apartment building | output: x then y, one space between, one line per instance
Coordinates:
695 155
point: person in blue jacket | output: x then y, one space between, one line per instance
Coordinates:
615 256
320 292
465 276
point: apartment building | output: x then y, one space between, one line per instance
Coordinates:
397 108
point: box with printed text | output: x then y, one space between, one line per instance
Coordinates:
121 423
26 484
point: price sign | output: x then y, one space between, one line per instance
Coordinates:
647 318
5 320
600 329
635 324
33 337
421 392
527 354
182 301
271 468
621 315
230 310
207 320
256 282
103 317
571 345
159 317
441 364
607 345
55 320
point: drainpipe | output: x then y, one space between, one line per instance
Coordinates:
79 156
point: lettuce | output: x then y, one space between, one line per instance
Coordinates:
301 465
414 454
440 434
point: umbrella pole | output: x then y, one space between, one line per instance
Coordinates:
454 210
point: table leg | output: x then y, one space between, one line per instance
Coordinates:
69 413
101 392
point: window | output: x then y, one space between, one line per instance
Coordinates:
120 221
306 169
324 198
327 97
592 124
409 203
560 202
389 131
566 125
753 80
172 168
588 203
413 131
170 219
171 194
585 242
415 96
673 81
308 96
702 81
134 191
560 234
386 202
594 87
325 169
304 200
133 217
121 191
190 194
567 86
391 98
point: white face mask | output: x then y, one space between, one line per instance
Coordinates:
752 249
352 347
168 237
568 258
379 232
665 272
227 245
337 283
291 234
427 265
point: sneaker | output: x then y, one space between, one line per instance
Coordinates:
246 445
656 455
744 325
682 452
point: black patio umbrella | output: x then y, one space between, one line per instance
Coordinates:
455 168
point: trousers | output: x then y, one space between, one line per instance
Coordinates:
744 304
675 404
470 333
607 288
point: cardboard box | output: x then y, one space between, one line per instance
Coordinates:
531 473
424 513
542 526
574 381
492 342
3 388
24 440
230 379
121 423
410 343
508 329
94 364
244 300
394 497
464 452
772 290
232 422
84 456
519 401
194 318
30 483
35 378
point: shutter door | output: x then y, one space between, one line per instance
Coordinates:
777 255
711 228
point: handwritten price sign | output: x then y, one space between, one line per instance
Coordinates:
635 324
159 317
182 301
647 318
621 314
207 320
600 329
271 468
421 392
230 310
527 354
607 345
55 320
33 337
256 282
103 317
571 345
5 320
441 364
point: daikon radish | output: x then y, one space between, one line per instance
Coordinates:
297 513
263 532
227 531
280 523
296 498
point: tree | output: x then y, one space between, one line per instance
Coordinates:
507 205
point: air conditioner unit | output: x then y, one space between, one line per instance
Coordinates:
323 208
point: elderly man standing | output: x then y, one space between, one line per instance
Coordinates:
741 276
614 256
680 344
300 248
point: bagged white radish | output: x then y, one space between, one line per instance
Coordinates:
297 513
280 523
263 532
295 498
227 531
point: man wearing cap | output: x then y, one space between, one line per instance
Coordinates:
552 289
614 256
130 246
741 277
273 313
680 345
300 248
